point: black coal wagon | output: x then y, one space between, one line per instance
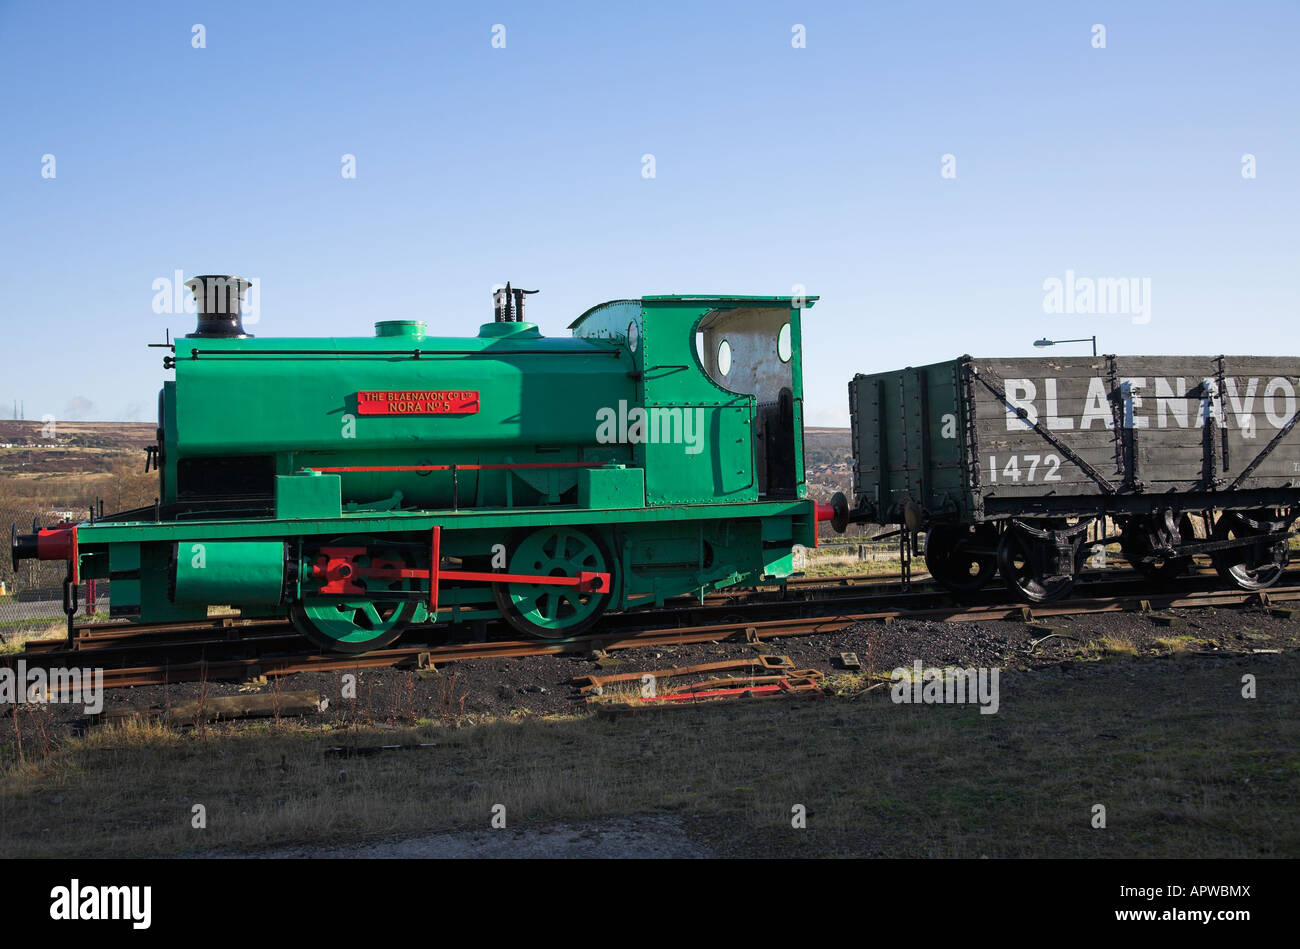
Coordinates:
1007 464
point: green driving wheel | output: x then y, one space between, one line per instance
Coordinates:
546 610
351 625
359 622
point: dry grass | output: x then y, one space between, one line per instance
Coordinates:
19 634
1115 646
1184 765
842 560
1119 645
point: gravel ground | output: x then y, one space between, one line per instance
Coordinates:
878 778
642 837
484 688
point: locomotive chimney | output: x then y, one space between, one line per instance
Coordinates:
219 297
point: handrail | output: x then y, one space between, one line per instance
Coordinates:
344 469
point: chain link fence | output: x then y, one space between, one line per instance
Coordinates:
31 597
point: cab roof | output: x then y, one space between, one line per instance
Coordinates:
704 298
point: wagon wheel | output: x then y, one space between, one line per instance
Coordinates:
551 611
1248 567
357 623
1016 564
962 558
1135 544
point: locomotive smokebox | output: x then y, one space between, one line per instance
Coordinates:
219 297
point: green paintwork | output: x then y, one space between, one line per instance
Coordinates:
539 399
496 520
237 573
311 495
611 488
411 329
911 428
673 382
355 621
684 508
555 611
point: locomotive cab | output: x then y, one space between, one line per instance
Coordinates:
724 374
751 352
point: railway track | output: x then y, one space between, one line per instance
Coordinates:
277 650
228 634
220 629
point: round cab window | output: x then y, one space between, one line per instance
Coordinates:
724 357
633 336
783 350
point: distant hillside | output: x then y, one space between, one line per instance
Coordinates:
79 434
28 447
49 472
826 446
828 466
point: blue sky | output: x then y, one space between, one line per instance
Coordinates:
774 166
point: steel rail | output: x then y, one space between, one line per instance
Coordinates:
753 631
233 633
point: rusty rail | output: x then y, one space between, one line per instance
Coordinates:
753 631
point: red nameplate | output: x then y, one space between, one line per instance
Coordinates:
417 402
